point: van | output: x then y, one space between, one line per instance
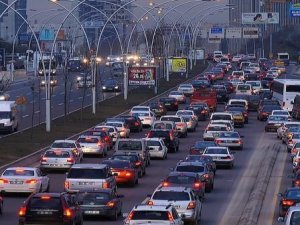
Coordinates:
243 89
9 116
296 107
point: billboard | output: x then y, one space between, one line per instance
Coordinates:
294 9
260 18
46 35
250 32
233 32
142 76
179 65
213 40
216 32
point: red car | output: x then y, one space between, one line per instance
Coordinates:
124 171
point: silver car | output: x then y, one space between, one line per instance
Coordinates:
92 145
230 139
181 126
221 156
186 89
191 122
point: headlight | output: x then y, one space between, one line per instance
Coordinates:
79 78
116 87
2 98
40 71
103 87
107 63
7 123
42 82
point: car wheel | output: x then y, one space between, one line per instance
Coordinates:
140 173
177 149
48 188
144 171
1 209
115 216
137 181
132 183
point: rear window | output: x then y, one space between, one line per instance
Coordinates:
217 128
190 168
63 145
153 143
78 173
141 114
140 109
150 215
94 198
45 202
295 218
216 151
221 117
88 140
163 126
159 133
19 172
171 196
130 145
237 103
57 154
244 87
174 119
181 179
293 194
117 164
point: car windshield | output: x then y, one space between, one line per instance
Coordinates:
93 199
110 82
18 172
163 126
139 109
57 154
190 168
293 194
78 173
184 113
217 128
49 203
216 151
204 144
171 196
296 136
237 103
114 124
150 215
244 87
281 113
88 140
141 114
174 119
254 84
130 145
153 143
63 145
181 179
187 118
185 86
278 118
198 158
167 99
229 135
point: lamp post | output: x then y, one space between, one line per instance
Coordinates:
94 61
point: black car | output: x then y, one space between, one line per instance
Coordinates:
199 147
200 84
111 85
100 203
134 122
50 208
289 198
229 86
251 76
170 139
203 158
159 109
222 95
171 104
199 111
265 94
253 102
266 82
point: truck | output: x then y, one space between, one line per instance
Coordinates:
9 116
208 96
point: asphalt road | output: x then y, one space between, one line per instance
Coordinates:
232 187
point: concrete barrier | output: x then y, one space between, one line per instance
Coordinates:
253 206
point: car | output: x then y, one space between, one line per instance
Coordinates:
139 108
186 112
133 122
111 85
228 123
168 125
58 159
23 180
295 157
212 131
53 82
264 112
203 158
238 118
281 130
186 179
269 102
221 156
92 145
147 118
274 122
159 109
135 158
186 89
171 104
84 82
230 139
239 101
122 127
158 214
111 130
201 84
89 175
294 138
168 136
124 171
179 96
255 66
281 113
289 198
200 105
255 85
181 125
187 204
53 208
201 168
240 75
100 203
236 59
221 116
68 144
229 86
251 76
253 102
292 216
288 134
157 148
103 134
199 111
296 180
221 90
191 122
243 89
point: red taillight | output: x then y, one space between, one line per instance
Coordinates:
136 124
197 185
31 181
294 151
150 202
297 183
111 204
44 159
67 184
192 205
3 181
105 185
70 160
138 163
287 202
171 135
45 197
128 174
68 213
130 216
22 211
218 141
99 144
165 184
170 217
106 139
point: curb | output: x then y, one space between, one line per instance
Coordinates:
34 157
253 206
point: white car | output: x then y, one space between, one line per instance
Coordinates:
295 138
242 102
92 145
147 118
181 126
243 89
111 130
230 139
179 96
291 217
221 156
123 130
23 180
228 123
153 214
187 113
256 86
281 113
212 131
236 58
221 116
185 201
140 108
186 89
157 148
240 75
255 66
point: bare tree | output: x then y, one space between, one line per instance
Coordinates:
5 82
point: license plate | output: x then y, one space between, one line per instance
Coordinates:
91 212
167 104
85 183
16 182
216 158
44 213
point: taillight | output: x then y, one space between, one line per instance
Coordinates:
67 184
136 124
128 174
297 183
68 212
44 159
111 204
287 202
3 181
218 141
294 151
192 205
70 160
105 185
197 185
170 217
138 163
165 184
22 211
150 202
131 214
106 138
31 181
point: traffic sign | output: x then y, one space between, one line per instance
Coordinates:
216 32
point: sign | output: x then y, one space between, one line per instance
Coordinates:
294 9
216 32
142 76
200 54
93 24
250 32
260 18
47 35
213 40
202 33
179 65
233 32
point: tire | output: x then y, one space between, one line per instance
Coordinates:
132 183
177 149
48 188
115 216
1 209
140 174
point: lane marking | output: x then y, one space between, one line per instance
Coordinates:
37 112
25 116
60 103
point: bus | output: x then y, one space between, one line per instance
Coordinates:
285 91
75 65
46 60
284 57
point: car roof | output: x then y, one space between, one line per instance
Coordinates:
185 163
153 139
174 189
21 168
151 208
89 166
217 147
65 141
189 174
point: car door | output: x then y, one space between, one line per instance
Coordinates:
44 179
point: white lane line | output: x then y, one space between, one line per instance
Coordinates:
71 100
43 99
53 96
60 103
88 95
25 116
62 93
36 112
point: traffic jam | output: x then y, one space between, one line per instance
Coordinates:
219 101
